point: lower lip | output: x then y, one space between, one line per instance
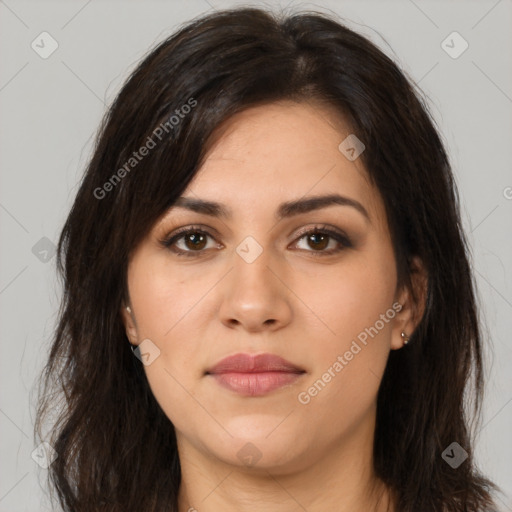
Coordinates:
255 384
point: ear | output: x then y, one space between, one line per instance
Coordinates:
130 324
413 301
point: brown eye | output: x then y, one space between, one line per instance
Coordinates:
188 242
195 241
318 241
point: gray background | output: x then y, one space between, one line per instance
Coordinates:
51 108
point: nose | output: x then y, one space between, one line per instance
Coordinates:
255 296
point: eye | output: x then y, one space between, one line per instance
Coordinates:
319 238
193 241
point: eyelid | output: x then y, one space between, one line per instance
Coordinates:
321 228
333 232
174 236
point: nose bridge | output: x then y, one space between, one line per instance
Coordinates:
251 272
254 296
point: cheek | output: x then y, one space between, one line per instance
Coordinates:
354 300
351 295
162 297
163 302
349 366
169 305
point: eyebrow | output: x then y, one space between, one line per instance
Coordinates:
285 210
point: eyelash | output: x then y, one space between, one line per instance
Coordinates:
342 239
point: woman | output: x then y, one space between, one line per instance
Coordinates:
268 303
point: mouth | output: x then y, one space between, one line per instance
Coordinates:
254 375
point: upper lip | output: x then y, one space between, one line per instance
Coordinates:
250 363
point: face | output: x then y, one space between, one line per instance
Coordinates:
251 277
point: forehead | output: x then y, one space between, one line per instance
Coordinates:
280 152
284 131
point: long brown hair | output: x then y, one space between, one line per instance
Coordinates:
116 447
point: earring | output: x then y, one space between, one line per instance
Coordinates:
405 338
128 309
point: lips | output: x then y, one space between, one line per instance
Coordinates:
254 375
247 363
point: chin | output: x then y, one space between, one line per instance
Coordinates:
259 445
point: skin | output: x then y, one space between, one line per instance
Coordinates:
198 310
